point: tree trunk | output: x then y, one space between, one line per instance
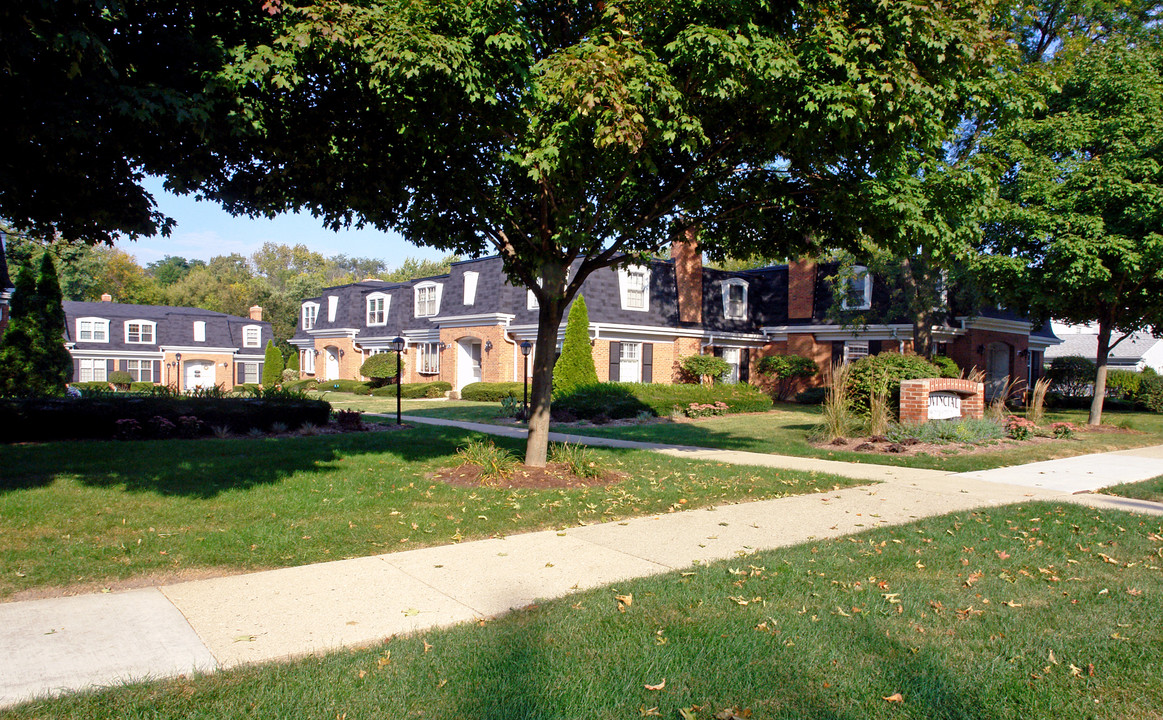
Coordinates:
552 309
922 315
1104 344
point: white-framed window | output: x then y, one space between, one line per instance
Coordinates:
634 287
93 370
470 287
199 331
250 373
140 331
308 363
859 294
629 362
377 308
731 357
310 313
428 362
92 330
252 336
427 297
735 298
332 306
855 349
140 370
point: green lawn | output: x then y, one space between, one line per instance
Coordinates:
99 512
1146 490
785 430
1032 611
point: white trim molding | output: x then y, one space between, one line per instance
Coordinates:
1016 327
476 319
624 286
385 301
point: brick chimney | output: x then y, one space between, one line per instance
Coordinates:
256 313
688 275
106 297
801 289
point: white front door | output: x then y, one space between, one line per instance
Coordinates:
468 362
199 374
332 363
630 362
731 356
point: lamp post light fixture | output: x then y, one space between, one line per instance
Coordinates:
526 347
398 344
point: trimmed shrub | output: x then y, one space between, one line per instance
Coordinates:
272 366
491 392
947 365
812 396
120 379
1151 392
415 390
301 385
293 361
289 376
358 387
44 419
575 368
697 367
627 400
1072 376
889 369
141 387
93 387
784 369
381 368
1123 384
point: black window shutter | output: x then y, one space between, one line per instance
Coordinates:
157 370
76 370
745 365
837 351
110 365
647 362
875 347
123 365
241 374
615 352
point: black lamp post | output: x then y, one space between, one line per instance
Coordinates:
178 369
526 347
398 344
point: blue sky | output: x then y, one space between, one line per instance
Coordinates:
205 230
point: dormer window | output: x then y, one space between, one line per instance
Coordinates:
310 312
332 306
252 336
634 287
140 332
377 308
859 290
735 299
470 287
92 330
199 331
427 297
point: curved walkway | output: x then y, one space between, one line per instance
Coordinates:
65 644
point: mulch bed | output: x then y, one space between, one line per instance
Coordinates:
553 475
881 446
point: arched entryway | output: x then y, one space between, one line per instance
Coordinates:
331 362
468 361
198 374
998 370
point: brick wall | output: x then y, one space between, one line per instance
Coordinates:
496 364
915 398
221 376
601 349
688 271
682 348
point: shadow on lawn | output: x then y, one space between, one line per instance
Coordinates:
205 468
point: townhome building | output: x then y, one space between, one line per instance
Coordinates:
188 348
468 325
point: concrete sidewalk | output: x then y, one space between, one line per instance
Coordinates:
66 644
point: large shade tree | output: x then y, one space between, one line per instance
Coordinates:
1079 230
567 137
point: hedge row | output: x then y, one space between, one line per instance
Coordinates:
627 400
45 419
415 390
349 386
491 391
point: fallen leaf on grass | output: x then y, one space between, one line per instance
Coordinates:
894 698
427 647
659 686
1053 659
973 577
649 712
384 659
732 714
624 601
1075 671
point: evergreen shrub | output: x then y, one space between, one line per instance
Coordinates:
97 417
889 368
627 400
120 379
1072 376
575 368
415 390
272 366
358 387
784 369
1151 392
490 391
381 368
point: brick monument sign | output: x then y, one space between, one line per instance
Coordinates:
941 399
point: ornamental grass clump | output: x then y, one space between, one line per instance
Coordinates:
837 419
1036 407
580 460
495 463
879 411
